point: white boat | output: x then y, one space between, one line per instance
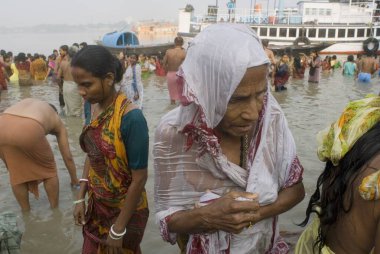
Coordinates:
337 27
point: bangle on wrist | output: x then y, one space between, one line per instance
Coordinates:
78 201
113 237
83 180
118 234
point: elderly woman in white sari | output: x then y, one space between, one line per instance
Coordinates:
225 160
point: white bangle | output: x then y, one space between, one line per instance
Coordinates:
118 234
78 201
83 180
113 237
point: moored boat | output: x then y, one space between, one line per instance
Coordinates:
149 50
128 42
319 23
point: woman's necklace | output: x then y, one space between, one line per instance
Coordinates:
243 151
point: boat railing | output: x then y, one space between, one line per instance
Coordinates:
287 17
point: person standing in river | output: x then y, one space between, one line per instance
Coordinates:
315 66
172 60
116 141
225 160
366 68
27 153
346 201
73 101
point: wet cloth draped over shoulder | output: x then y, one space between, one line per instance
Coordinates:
108 181
188 159
26 151
336 140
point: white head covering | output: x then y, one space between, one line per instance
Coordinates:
216 61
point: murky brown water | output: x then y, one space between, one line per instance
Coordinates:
308 107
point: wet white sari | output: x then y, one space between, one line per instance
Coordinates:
188 159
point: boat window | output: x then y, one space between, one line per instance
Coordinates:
350 32
331 33
322 12
378 32
314 11
328 12
292 32
263 31
302 32
273 32
341 33
120 40
307 11
312 32
360 33
283 32
369 32
255 29
322 33
131 39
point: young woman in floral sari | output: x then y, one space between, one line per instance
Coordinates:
346 201
115 139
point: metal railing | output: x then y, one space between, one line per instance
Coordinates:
288 17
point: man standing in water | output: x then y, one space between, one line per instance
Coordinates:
172 60
73 101
27 153
366 67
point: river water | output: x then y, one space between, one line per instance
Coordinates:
308 108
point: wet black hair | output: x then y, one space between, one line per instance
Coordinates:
178 41
98 61
350 58
64 48
83 44
265 42
336 181
52 56
72 51
297 62
21 57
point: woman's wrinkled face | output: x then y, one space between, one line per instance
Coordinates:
246 103
92 89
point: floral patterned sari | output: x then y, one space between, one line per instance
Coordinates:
108 181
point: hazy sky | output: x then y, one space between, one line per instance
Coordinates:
34 12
